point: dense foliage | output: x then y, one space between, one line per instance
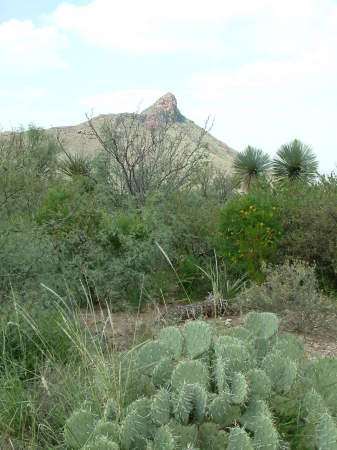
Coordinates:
309 221
65 224
74 234
251 229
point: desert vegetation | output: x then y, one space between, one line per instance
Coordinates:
148 223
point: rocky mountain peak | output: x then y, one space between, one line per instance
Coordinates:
164 109
167 102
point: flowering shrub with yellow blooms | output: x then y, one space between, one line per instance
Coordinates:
250 229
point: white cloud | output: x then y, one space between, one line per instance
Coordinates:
267 103
311 71
19 104
23 44
150 25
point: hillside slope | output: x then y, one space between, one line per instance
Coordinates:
80 138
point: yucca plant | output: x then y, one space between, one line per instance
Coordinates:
75 165
250 164
295 161
224 286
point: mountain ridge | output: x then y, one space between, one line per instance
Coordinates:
80 138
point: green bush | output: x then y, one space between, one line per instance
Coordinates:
28 257
309 222
250 227
69 210
221 391
75 231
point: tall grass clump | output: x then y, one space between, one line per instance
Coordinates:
53 362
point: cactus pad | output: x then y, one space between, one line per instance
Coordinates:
137 425
239 389
281 370
210 438
259 384
327 433
190 372
198 338
172 339
255 409
262 325
198 390
161 407
265 434
102 443
239 440
163 439
161 375
149 356
183 434
79 428
110 430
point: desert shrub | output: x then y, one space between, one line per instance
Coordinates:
80 233
113 252
309 222
181 225
215 184
109 253
205 391
69 210
27 167
27 258
250 230
289 288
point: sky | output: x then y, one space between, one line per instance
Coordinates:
264 70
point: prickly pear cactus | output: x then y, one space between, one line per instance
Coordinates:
326 433
161 407
208 392
197 337
102 443
163 439
172 340
262 325
239 389
79 428
239 440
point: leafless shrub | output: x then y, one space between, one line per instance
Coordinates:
290 288
147 157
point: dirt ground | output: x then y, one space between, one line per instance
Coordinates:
122 329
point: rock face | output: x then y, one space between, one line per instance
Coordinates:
79 138
165 109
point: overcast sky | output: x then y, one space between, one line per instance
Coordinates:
266 69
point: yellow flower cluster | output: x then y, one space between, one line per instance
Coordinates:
246 213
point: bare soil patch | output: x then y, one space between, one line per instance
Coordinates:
123 329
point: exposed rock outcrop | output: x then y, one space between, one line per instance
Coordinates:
165 109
